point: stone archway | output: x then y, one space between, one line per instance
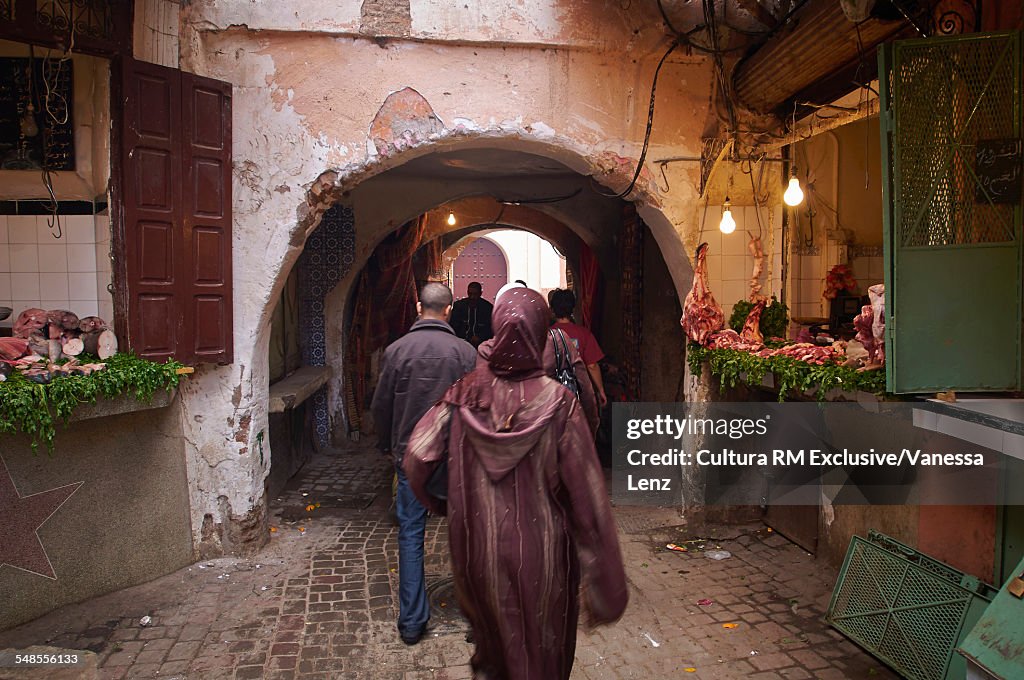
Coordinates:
371 194
229 506
304 142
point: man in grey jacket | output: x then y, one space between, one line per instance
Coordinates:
415 372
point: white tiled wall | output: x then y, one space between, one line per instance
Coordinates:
730 263
104 276
867 271
38 270
809 269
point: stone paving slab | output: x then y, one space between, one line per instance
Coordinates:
318 602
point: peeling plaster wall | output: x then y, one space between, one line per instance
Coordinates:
582 25
565 79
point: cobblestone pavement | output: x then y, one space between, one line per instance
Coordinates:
318 602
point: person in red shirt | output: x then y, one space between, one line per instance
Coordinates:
563 302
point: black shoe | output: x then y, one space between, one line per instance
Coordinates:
412 639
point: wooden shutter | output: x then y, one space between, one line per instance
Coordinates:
206 197
151 195
174 280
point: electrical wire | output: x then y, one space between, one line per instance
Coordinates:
785 19
668 22
685 39
52 100
650 125
552 199
711 21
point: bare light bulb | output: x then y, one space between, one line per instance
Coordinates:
728 224
794 194
451 218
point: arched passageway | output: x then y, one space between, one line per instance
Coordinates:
355 280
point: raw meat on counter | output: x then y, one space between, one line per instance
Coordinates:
806 351
730 339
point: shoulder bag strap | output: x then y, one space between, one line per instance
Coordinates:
554 346
565 347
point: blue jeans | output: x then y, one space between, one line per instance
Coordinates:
413 610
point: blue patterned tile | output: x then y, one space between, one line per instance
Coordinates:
328 256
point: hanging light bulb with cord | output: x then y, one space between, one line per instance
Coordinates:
794 195
728 223
451 218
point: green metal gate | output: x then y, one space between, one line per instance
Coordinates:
906 608
951 133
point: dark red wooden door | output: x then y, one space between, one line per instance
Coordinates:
174 281
151 196
206 114
484 262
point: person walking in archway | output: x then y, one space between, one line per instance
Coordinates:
471 316
415 372
553 357
563 302
529 520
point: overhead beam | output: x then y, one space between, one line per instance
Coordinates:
817 43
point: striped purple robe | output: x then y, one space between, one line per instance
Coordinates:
528 514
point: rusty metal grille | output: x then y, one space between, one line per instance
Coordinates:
948 98
91 18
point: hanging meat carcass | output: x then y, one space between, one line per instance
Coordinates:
756 252
752 326
701 314
865 336
876 294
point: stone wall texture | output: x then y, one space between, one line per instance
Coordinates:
565 79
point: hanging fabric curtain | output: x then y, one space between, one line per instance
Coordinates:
384 310
434 259
590 290
631 258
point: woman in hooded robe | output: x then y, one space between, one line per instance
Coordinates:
528 516
587 396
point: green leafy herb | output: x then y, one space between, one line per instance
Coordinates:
35 409
774 319
732 367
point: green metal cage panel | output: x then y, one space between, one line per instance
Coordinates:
951 148
907 609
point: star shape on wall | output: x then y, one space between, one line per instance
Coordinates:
21 517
